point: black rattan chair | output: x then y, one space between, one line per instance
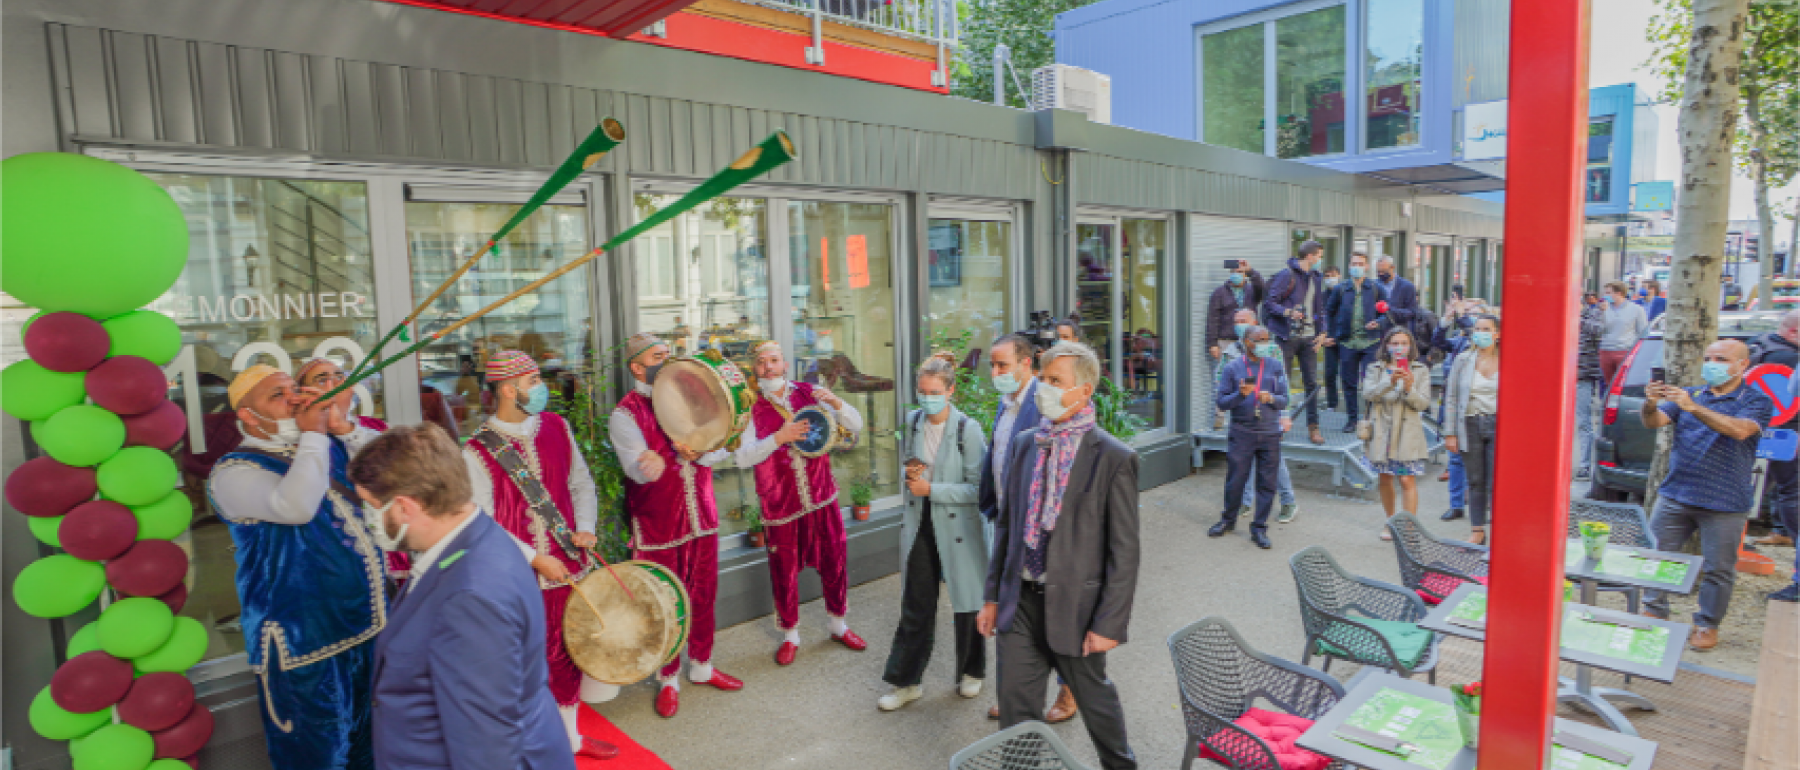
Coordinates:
1630 527
1431 567
1220 677
1328 596
1024 746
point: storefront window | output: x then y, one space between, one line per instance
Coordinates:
1428 262
1329 237
1494 284
1145 241
842 269
1395 31
1309 83
279 271
718 299
968 278
1094 285
1599 184
552 325
1232 80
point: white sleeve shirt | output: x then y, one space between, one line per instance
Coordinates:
582 490
247 493
629 442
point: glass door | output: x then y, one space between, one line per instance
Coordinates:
1119 306
968 277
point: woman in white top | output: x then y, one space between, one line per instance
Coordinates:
1473 396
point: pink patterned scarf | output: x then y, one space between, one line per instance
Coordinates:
1058 444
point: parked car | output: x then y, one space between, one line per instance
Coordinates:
1623 447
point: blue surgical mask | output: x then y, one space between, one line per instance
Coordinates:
1331 283
1007 384
1399 351
1236 279
537 399
1482 339
1715 373
1358 271
1050 401
1267 350
933 404
1241 328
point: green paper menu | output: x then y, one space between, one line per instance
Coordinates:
1472 607
1569 759
1624 564
1423 722
1644 646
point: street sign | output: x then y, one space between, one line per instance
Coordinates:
1773 381
1778 444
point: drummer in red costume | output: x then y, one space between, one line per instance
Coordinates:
674 516
524 453
801 521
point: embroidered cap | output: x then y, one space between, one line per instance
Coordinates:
300 374
248 379
507 364
767 346
639 343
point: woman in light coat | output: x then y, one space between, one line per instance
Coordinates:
1472 398
1398 397
943 538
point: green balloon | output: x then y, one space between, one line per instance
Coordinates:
58 724
86 235
30 392
167 764
116 747
80 435
44 528
58 586
134 627
87 639
145 333
184 649
164 519
138 475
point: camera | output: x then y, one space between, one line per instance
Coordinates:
1041 330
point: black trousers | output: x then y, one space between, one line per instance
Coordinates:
1243 449
1351 364
1783 492
913 638
1026 661
1476 445
1331 378
1300 349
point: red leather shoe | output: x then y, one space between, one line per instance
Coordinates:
594 748
668 701
726 681
851 640
785 655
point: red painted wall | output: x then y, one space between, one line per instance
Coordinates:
744 41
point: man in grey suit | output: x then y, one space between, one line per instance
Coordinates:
1065 563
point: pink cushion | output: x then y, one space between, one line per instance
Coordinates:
1438 585
1276 729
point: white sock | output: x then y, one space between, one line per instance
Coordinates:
792 637
836 626
673 682
596 691
700 671
570 716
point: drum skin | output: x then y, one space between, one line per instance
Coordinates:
634 636
821 432
702 403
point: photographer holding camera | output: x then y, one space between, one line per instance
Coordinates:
1295 314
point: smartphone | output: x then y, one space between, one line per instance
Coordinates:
1232 264
1401 364
1249 381
1658 374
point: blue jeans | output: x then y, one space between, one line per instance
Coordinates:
1584 422
1284 486
1459 482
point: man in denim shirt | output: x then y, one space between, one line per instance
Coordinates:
1254 389
1708 487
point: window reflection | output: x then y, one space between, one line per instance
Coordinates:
1396 44
968 278
1232 83
1309 83
1144 244
1094 287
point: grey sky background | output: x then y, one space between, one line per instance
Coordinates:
1618 54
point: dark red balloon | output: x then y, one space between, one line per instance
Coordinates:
1381 306
176 598
127 385
45 487
187 736
90 681
67 342
157 701
149 568
98 530
159 428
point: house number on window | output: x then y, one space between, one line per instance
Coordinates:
184 369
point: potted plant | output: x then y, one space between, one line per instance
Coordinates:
862 493
753 522
1594 535
1467 699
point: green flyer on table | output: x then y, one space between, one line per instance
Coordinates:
1644 646
1422 722
1472 607
1625 564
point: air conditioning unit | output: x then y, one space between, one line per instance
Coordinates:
1072 88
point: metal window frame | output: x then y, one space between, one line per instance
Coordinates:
988 210
1115 365
1267 17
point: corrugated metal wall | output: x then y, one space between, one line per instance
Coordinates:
1480 51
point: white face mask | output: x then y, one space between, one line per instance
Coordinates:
375 520
772 386
1050 401
287 429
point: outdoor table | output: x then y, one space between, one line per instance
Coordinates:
1592 637
1422 715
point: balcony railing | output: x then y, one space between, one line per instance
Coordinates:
932 21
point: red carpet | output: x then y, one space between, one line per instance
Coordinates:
631 755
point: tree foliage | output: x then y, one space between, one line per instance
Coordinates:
1025 26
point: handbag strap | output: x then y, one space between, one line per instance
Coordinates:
538 505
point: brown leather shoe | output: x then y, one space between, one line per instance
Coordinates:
1703 639
994 713
1775 538
1315 435
1064 709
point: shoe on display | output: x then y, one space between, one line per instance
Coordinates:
1288 512
784 656
1452 515
668 701
1064 709
851 640
1261 540
1219 529
1789 594
969 687
1703 639
896 700
594 748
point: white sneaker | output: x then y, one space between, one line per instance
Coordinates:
898 699
1288 512
969 687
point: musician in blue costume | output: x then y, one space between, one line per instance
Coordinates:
309 575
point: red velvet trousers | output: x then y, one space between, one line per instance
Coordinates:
565 678
815 540
696 563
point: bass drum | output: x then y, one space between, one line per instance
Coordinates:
633 636
702 403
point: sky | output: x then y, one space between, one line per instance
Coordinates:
1620 58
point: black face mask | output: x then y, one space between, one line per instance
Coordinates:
650 373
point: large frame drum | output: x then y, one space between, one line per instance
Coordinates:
634 636
703 403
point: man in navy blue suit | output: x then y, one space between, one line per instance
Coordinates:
460 675
1402 298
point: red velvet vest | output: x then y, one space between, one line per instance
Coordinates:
678 506
790 486
554 457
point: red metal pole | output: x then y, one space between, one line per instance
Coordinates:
1547 144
